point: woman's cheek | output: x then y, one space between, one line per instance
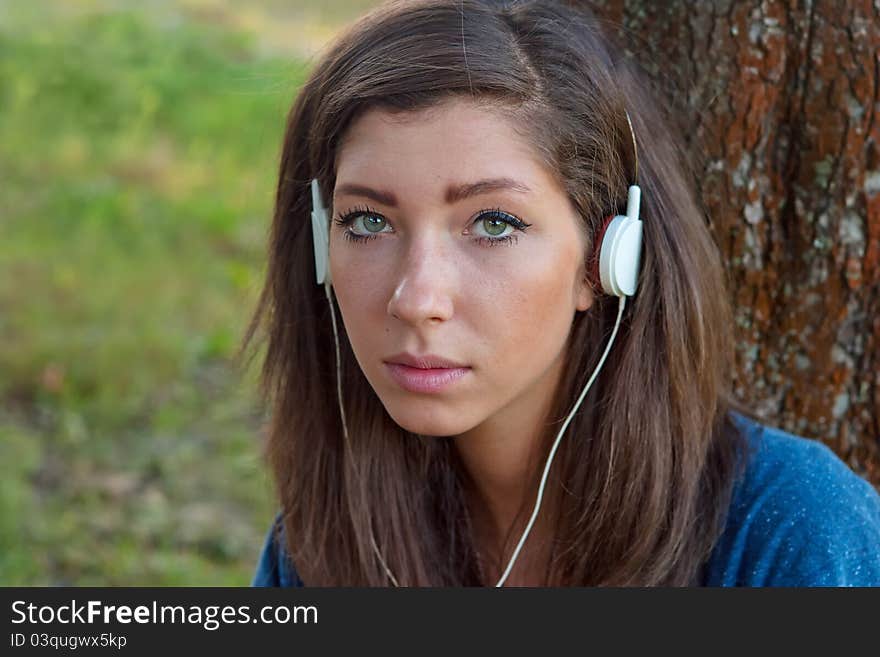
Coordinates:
358 280
544 313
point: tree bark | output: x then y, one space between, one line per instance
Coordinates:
778 104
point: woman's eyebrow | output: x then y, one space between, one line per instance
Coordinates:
454 193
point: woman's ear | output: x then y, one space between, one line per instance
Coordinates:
584 295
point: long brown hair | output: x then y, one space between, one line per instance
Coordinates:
643 477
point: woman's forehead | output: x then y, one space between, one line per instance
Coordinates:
446 151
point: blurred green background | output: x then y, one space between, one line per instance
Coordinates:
138 150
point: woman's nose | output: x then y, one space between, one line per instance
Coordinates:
424 289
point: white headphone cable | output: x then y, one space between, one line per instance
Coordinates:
583 394
345 424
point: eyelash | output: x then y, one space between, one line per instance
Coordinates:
497 213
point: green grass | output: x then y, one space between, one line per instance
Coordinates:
137 161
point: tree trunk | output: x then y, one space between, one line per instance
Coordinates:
778 104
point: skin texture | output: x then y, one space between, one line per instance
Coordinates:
425 284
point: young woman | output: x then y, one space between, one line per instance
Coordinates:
515 367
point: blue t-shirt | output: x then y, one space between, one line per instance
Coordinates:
798 517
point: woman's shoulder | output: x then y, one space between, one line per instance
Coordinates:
798 517
274 566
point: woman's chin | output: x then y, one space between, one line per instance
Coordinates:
426 423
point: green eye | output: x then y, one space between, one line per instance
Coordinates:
374 224
494 227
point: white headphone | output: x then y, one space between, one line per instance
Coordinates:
621 249
618 268
619 253
320 235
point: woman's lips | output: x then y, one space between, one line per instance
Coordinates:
416 379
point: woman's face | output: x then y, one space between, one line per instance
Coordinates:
432 263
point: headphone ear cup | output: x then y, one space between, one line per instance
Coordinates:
320 235
595 277
619 256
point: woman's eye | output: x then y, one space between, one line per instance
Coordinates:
362 224
493 226
370 223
